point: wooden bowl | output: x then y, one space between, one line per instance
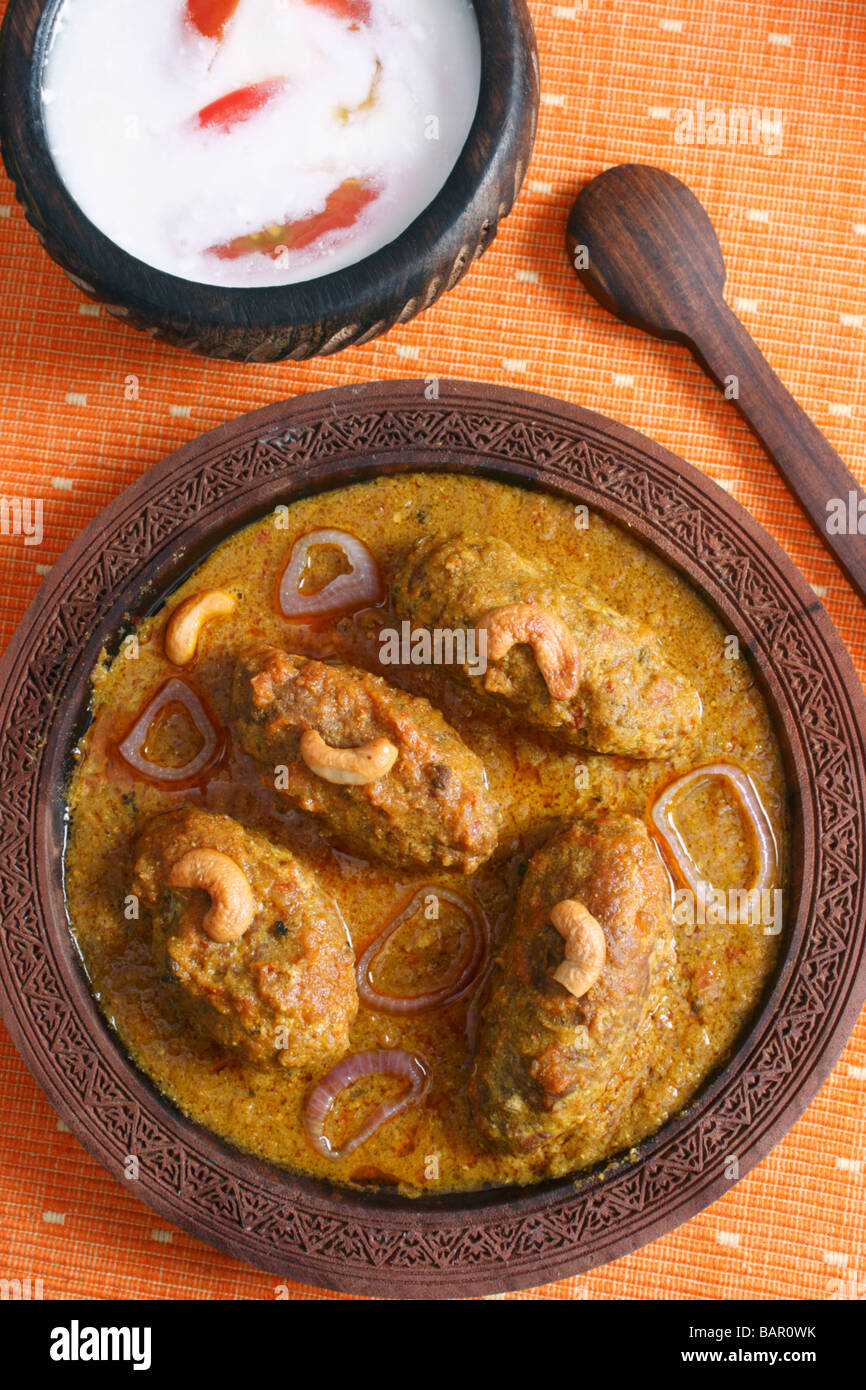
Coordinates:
316 317
474 1243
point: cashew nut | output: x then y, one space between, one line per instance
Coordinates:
348 767
185 624
233 906
585 947
555 649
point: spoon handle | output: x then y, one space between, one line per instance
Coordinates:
830 495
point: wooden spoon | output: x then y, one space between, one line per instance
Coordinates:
643 245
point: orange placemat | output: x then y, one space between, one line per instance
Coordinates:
791 213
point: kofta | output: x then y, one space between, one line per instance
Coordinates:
586 957
558 658
253 952
381 769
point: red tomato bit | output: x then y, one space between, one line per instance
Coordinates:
342 209
238 106
210 17
356 11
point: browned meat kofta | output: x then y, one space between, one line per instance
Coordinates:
582 672
588 956
380 768
255 955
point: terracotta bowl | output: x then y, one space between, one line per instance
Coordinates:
321 316
132 555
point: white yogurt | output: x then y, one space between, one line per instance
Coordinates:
371 116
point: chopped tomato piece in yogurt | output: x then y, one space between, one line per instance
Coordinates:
210 17
342 210
356 11
238 106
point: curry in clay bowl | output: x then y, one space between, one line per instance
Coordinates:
445 819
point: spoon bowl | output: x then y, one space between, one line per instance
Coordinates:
644 247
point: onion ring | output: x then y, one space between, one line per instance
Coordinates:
362 587
345 1074
174 692
746 792
445 994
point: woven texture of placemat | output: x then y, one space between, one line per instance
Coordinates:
790 210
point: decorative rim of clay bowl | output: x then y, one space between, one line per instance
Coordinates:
474 1243
316 317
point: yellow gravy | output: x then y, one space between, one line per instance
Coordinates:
722 970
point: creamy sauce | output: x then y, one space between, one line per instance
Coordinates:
150 137
722 969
